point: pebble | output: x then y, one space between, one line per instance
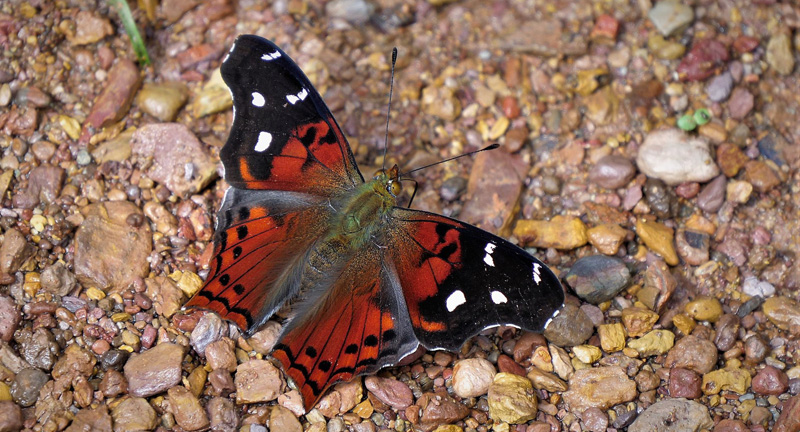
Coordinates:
712 196
670 16
220 355
598 278
706 58
44 186
570 327
587 353
439 408
676 157
770 381
395 393
89 28
685 383
26 386
167 297
673 415
506 364
356 12
472 377
731 159
57 279
692 352
761 176
719 88
14 251
560 232
727 328
754 287
740 103
612 337
222 415
612 172
179 160
665 49
600 387
692 246
257 381
10 318
656 342
494 185
638 320
134 414
704 309
97 419
210 328
162 100
281 419
789 420
186 409
779 53
10 416
755 349
75 360
607 238
113 384
542 380
731 379
658 238
155 370
441 102
212 98
109 252
782 311
511 399
115 100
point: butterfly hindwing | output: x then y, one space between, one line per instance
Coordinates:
283 136
355 325
459 280
259 250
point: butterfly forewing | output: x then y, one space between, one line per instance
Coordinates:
283 136
459 280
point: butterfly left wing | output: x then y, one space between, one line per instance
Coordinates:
355 326
459 280
283 135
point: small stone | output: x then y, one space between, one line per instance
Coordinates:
257 381
779 53
658 238
665 49
439 408
89 28
719 88
740 103
674 157
612 172
754 287
186 408
472 377
265 338
162 100
561 232
587 353
770 381
494 185
605 28
213 97
656 342
506 364
598 278
731 159
97 419
113 384
167 297
600 387
14 251
210 328
44 186
685 383
155 370
670 16
220 355
692 246
10 318
222 415
392 392
281 419
761 176
789 420
511 399
755 349
134 414
612 337
607 238
727 328
570 327
692 352
440 102
542 380
638 320
673 415
74 361
712 196
26 386
706 57
731 379
57 279
179 160
684 323
782 311
10 416
704 309
115 100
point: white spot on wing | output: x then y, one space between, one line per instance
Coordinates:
258 99
555 314
455 300
293 99
498 297
271 56
537 276
488 257
264 140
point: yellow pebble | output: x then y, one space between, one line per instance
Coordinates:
612 337
95 294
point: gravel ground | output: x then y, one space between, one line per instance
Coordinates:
648 156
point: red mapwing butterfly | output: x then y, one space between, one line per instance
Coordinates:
366 282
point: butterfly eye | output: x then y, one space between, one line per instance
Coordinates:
394 188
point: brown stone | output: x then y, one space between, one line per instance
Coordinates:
493 190
155 370
115 100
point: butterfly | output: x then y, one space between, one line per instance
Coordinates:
366 282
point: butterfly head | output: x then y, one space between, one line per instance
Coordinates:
389 180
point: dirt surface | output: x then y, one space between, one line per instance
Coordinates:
678 242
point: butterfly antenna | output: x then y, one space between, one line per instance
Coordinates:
389 109
490 147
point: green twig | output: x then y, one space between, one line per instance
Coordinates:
121 6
